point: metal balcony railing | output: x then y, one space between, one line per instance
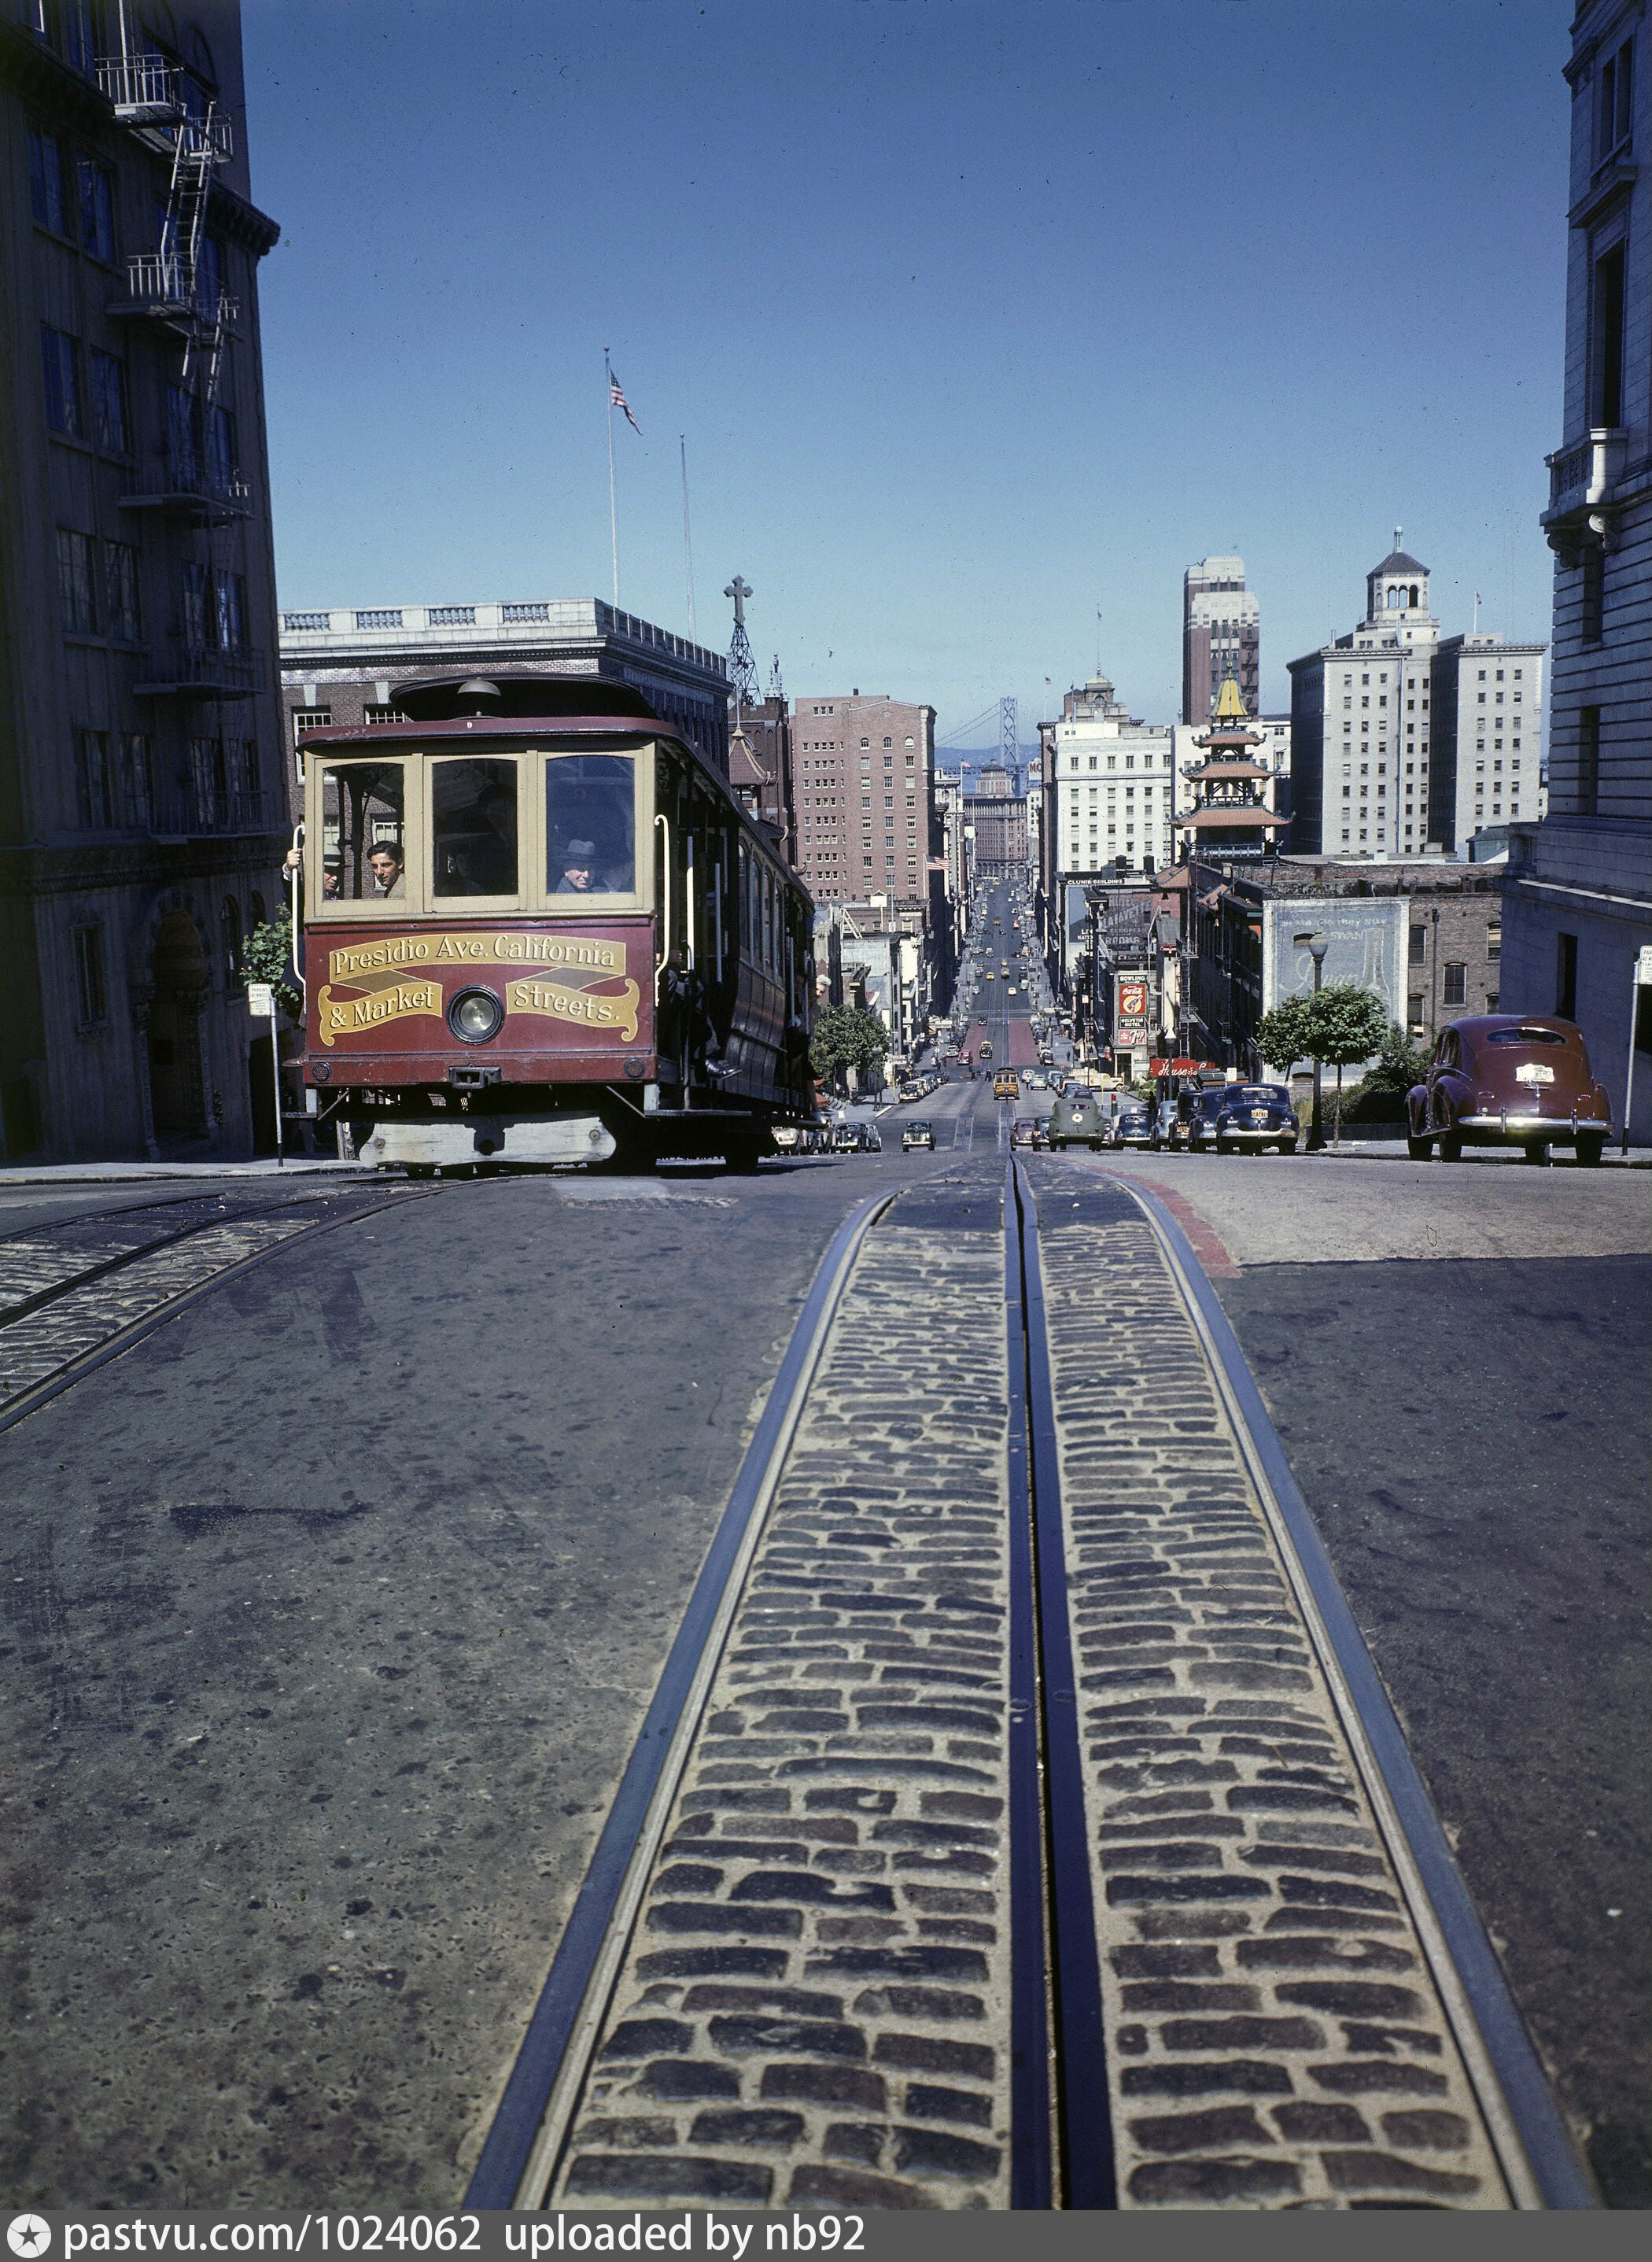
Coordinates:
192 669
179 484
148 89
186 811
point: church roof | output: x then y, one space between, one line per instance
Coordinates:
1400 561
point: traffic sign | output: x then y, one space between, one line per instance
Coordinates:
261 1000
1643 966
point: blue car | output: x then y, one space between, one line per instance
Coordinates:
1255 1115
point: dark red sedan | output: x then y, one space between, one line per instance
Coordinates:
1509 1080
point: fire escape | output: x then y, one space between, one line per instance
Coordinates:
190 479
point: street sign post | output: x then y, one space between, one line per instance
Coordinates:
1642 981
261 1004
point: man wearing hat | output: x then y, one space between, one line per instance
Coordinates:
578 871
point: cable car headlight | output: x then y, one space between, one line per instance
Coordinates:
475 1015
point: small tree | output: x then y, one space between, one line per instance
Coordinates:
266 956
1281 1036
846 1037
1398 1065
1344 1023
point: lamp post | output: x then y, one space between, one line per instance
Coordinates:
1316 1139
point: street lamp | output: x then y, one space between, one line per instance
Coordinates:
1316 946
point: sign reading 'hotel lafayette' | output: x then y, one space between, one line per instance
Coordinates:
386 980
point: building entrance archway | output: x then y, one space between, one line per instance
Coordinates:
180 977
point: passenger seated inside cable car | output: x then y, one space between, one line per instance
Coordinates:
589 810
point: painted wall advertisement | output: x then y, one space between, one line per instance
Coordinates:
1366 939
1133 999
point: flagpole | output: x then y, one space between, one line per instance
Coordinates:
688 549
614 523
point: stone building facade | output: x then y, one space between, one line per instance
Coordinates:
341 665
1579 896
141 820
864 792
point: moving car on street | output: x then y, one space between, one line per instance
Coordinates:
920 1132
1024 1131
1077 1119
1509 1080
1136 1127
1255 1115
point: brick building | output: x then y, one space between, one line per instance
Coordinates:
141 821
863 789
1221 634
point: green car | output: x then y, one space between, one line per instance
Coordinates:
1077 1119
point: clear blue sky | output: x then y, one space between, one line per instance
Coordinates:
979 319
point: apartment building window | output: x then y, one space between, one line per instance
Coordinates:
109 424
136 777
77 591
1605 338
306 719
370 714
223 450
95 186
60 373
192 604
1419 945
46 199
1616 96
1588 759
94 786
120 590
184 436
1453 980
1493 941
1566 976
229 618
90 987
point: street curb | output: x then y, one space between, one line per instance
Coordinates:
69 1175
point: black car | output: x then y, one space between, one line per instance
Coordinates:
1199 1111
1255 1115
1136 1127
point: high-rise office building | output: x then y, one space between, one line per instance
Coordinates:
141 813
1401 741
863 789
1221 635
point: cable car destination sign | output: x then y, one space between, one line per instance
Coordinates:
392 976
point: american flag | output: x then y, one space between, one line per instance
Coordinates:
617 400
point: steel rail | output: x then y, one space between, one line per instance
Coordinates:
1535 2148
1032 2159
84 1363
41 1298
524 2144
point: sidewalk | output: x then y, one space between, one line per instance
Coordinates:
117 1174
1394 1150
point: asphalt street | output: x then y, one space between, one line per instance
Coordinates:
332 1607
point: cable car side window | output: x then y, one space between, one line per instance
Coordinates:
590 824
473 828
363 834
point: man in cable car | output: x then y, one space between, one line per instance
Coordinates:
580 875
386 860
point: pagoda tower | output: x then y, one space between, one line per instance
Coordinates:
1229 812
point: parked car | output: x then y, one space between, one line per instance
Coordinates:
1199 1112
907 1093
1256 1116
1135 1126
919 1132
871 1139
845 1138
1077 1119
1509 1080
1024 1131
1040 1130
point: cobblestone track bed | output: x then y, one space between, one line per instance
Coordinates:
1274 2038
814 2008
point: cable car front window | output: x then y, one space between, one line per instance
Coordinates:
363 831
590 825
473 828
